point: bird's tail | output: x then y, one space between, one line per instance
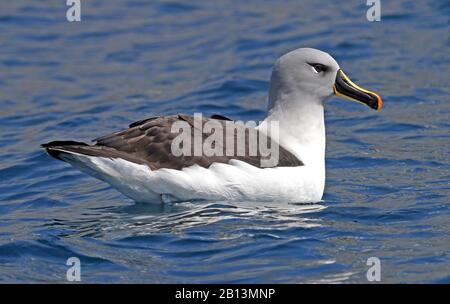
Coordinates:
58 148
119 169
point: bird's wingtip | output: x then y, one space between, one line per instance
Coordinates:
62 143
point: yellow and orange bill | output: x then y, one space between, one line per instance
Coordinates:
344 87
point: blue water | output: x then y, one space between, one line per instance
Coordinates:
388 173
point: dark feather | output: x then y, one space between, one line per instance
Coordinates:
149 142
220 117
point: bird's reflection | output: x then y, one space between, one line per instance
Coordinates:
141 219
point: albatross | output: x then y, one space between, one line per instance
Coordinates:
140 162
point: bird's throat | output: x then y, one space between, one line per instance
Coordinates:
301 128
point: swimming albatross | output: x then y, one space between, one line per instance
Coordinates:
139 161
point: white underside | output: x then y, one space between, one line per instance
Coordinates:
236 181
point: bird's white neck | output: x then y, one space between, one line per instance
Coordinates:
301 126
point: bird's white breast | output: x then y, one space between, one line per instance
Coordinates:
236 181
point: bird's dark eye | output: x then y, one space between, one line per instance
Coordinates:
318 67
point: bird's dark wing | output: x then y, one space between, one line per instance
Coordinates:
149 142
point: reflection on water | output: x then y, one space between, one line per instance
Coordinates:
241 240
145 219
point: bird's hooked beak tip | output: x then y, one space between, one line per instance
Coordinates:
344 87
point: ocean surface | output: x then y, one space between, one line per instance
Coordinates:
388 174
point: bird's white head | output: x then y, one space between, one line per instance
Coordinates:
311 76
300 83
